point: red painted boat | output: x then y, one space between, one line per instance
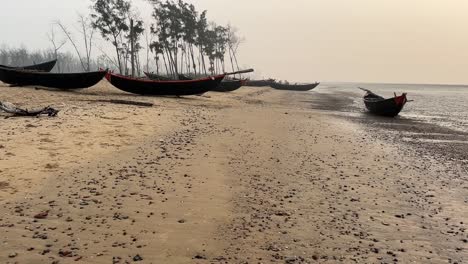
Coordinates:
379 105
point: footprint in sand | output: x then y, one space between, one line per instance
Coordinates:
4 185
51 166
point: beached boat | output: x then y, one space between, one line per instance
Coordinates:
156 77
184 77
44 67
63 81
224 87
164 88
229 86
294 87
168 88
259 83
378 105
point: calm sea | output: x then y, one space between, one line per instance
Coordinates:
442 105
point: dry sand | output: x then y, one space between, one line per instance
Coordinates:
253 176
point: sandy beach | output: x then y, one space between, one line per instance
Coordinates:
252 176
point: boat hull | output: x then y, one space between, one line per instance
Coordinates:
228 86
63 81
164 88
386 107
294 87
258 83
156 77
43 67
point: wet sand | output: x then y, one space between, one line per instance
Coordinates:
253 176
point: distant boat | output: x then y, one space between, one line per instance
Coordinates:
157 77
294 87
184 77
229 86
44 67
63 81
226 85
378 105
259 83
164 88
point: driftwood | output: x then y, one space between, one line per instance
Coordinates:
127 102
124 102
16 111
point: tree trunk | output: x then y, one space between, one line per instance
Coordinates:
132 48
165 63
194 65
232 62
157 64
235 59
182 57
202 59
116 45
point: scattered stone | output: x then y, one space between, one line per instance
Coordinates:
199 256
42 215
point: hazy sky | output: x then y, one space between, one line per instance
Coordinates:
414 41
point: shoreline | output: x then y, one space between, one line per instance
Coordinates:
251 176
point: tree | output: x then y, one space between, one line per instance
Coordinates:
234 42
110 18
56 45
88 32
181 34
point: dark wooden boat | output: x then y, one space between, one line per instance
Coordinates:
157 77
224 87
378 105
294 87
43 67
184 77
229 86
259 83
63 81
164 88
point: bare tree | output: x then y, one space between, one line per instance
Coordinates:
57 45
88 32
70 38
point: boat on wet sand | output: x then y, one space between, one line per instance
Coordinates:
294 87
379 105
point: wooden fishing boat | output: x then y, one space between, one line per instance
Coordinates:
157 77
184 77
294 87
164 88
44 67
167 88
225 85
378 105
259 83
229 86
63 81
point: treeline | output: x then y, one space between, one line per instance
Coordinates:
67 61
180 39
